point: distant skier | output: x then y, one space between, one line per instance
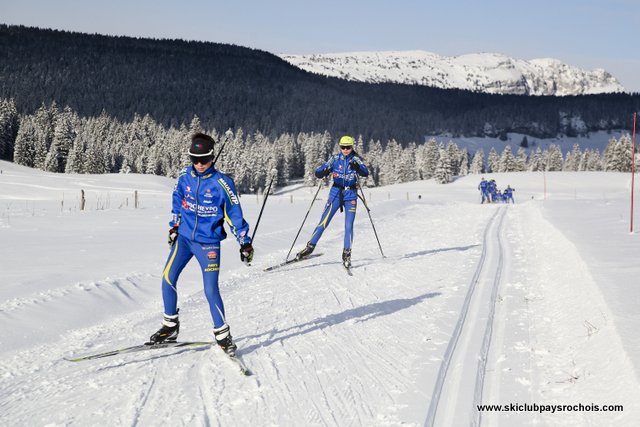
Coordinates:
203 199
491 188
508 194
484 190
344 168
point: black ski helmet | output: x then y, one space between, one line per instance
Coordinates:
201 145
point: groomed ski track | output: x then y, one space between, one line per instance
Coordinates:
460 382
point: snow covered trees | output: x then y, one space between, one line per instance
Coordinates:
477 164
61 141
617 155
553 158
507 162
443 169
8 128
64 133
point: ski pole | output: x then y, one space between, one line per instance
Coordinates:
370 219
303 221
264 203
219 152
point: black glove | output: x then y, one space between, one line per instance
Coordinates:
355 165
173 235
323 173
246 253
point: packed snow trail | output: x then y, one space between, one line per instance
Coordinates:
455 397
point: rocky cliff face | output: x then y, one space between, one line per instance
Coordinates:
483 72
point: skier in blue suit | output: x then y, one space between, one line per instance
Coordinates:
508 194
491 188
484 190
344 168
203 200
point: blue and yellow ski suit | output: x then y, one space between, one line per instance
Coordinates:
343 194
202 203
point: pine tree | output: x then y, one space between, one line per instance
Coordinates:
9 122
477 164
521 160
432 155
507 162
493 161
76 159
443 169
464 163
572 161
64 134
374 160
454 154
614 156
553 158
284 145
593 161
25 145
407 170
196 126
44 121
536 161
316 151
389 169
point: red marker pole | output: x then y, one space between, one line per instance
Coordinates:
633 168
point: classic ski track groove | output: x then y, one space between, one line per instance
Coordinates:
469 318
142 401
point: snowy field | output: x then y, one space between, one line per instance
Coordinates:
535 303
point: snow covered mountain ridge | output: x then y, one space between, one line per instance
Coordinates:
480 72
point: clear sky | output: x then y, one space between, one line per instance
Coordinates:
585 33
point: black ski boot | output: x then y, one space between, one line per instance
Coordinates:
224 340
346 258
168 331
306 251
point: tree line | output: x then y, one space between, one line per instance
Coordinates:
60 140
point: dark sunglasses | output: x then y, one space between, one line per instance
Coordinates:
346 147
203 160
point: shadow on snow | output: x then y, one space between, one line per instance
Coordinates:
359 314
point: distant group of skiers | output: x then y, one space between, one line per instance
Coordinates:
492 194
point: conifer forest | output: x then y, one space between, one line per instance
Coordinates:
80 103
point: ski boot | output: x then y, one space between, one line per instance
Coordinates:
346 258
306 251
168 331
224 340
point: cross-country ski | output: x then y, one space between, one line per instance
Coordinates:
291 261
138 348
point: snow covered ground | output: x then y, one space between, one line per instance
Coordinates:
534 303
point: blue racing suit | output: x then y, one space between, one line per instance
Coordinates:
343 193
201 204
484 189
492 188
508 194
